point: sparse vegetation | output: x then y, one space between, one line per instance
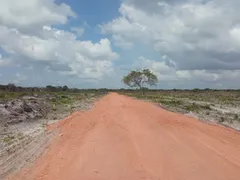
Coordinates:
236 116
219 105
196 107
19 104
8 139
221 120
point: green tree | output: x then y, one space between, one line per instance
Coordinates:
65 88
140 79
51 88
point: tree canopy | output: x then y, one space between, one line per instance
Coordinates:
140 79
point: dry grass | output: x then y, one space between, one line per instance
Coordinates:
220 106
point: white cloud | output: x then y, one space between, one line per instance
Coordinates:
21 77
60 51
4 62
122 43
196 35
29 40
33 14
197 40
78 30
163 69
168 73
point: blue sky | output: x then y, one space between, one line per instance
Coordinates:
93 44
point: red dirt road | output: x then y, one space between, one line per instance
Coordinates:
125 139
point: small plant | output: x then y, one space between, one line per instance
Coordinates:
44 125
192 107
54 108
2 95
8 139
206 107
222 119
208 113
20 136
231 121
235 116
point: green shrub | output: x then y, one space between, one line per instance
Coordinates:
8 139
221 120
235 116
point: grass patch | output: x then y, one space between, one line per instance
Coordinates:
196 107
8 139
4 96
170 102
221 120
62 99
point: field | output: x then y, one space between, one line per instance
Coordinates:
221 106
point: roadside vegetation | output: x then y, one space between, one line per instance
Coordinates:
28 111
18 104
221 106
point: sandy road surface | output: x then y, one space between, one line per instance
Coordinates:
126 139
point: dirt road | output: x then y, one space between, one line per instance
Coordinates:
125 139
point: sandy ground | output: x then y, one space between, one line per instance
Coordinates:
125 139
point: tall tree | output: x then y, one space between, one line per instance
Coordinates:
140 79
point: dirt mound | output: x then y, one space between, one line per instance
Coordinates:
22 109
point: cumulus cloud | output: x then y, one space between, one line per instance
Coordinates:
122 43
4 62
197 40
29 40
167 72
60 51
78 30
19 78
33 14
196 35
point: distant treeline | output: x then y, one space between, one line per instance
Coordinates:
50 88
179 90
14 88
